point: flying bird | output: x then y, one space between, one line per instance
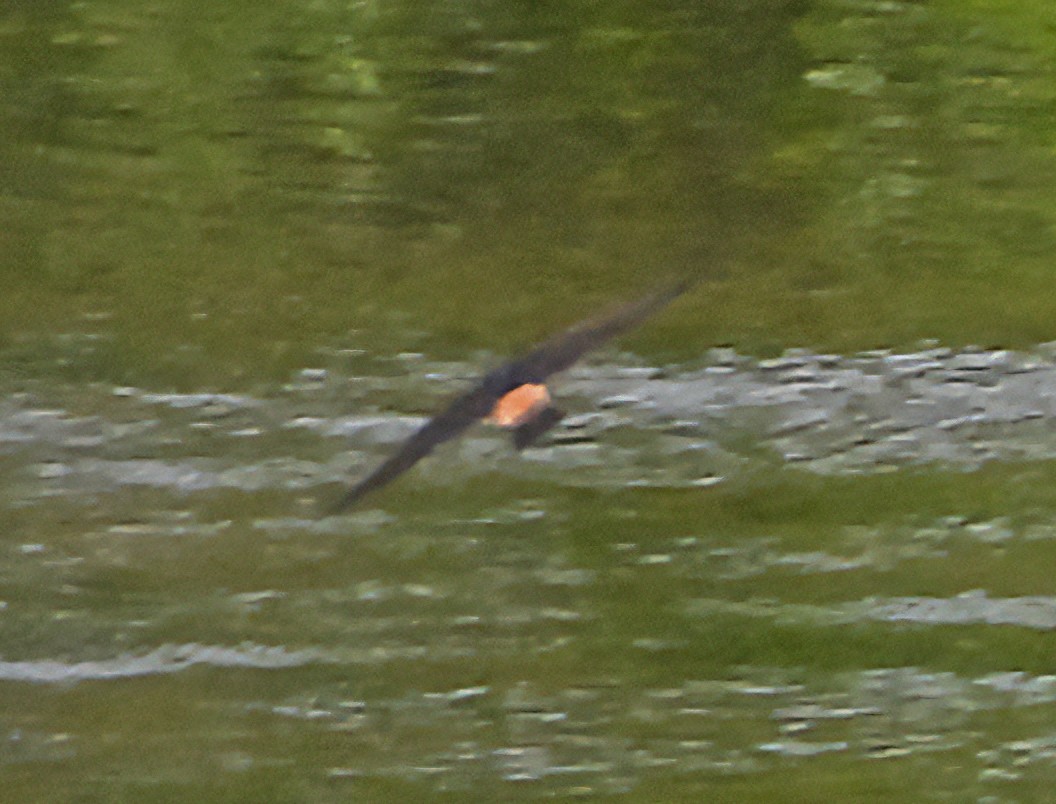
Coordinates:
513 396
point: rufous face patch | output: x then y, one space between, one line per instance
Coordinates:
520 405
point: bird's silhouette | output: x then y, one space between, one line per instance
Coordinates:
514 395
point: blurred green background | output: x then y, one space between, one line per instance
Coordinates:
214 197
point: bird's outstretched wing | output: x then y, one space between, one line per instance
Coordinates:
459 416
553 356
565 348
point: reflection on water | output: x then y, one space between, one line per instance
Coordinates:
819 576
165 659
526 623
264 181
823 413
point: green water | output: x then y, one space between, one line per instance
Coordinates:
214 199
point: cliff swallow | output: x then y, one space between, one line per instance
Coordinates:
513 396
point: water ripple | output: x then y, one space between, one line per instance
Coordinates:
164 659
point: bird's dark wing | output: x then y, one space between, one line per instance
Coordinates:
459 416
562 350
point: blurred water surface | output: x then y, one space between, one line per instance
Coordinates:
794 541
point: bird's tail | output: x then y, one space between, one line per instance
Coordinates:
526 434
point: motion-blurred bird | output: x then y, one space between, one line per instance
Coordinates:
513 396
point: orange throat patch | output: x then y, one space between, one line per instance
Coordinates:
520 405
